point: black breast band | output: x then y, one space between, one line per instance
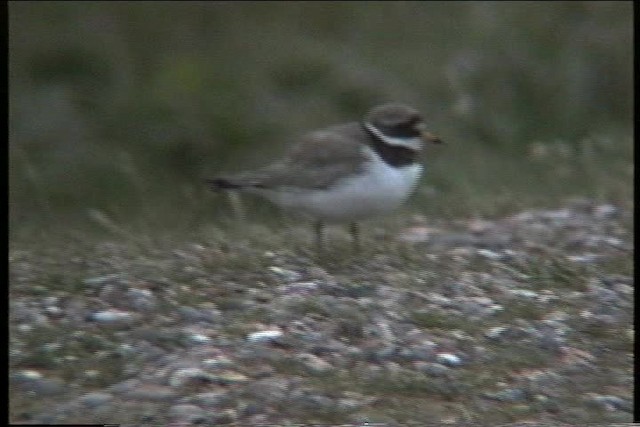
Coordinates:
393 155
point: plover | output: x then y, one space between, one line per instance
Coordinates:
344 173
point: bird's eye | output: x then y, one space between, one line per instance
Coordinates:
408 124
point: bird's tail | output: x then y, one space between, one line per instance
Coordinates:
247 181
218 184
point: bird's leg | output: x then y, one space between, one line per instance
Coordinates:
355 235
319 229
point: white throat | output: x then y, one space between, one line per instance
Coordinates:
413 143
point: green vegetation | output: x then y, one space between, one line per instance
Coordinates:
121 109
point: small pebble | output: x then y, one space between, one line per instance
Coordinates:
449 359
212 398
111 316
218 362
229 377
432 369
605 211
101 280
524 293
264 336
495 256
226 416
199 339
287 275
508 395
190 376
584 259
304 288
28 374
314 364
609 403
93 400
188 413
155 393
34 382
496 332
54 311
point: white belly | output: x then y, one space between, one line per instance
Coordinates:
381 189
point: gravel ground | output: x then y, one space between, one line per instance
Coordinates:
526 319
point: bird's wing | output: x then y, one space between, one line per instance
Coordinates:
316 162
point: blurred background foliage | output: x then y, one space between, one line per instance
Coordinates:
119 109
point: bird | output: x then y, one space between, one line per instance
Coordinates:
344 173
